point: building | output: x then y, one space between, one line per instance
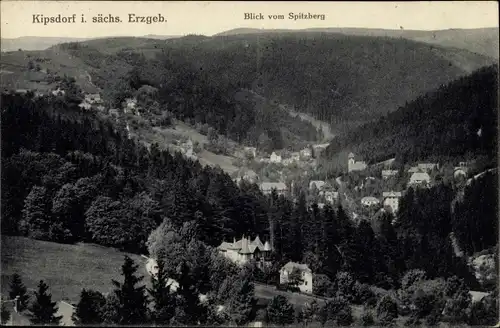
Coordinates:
306 153
427 167
320 148
386 174
352 165
461 170
85 105
251 151
419 178
275 158
267 187
331 196
369 201
306 283
320 184
295 156
93 98
130 103
414 169
58 92
391 200
243 250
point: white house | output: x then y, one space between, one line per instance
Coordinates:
391 199
386 174
352 165
243 250
369 201
85 105
267 187
306 285
418 178
275 158
93 98
58 92
331 196
251 151
426 167
306 153
318 183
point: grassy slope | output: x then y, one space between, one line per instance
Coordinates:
65 268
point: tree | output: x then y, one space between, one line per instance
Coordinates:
367 319
89 310
386 310
310 312
4 314
280 311
43 309
295 277
164 300
338 310
18 289
35 221
242 303
132 301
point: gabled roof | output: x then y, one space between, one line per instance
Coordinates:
420 176
386 194
369 199
272 185
293 265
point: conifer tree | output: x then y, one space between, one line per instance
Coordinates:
280 311
89 310
4 314
18 289
164 301
43 309
242 303
132 301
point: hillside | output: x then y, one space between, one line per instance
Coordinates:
456 121
484 41
335 77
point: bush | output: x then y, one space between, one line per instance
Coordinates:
367 319
364 295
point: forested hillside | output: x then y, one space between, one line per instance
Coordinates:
455 121
342 79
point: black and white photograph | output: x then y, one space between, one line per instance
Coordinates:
249 164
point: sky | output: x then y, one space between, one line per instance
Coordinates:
208 18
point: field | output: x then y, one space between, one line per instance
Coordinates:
67 269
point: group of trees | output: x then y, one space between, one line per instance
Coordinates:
446 124
42 310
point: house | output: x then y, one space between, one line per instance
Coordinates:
418 178
320 148
251 151
93 98
414 169
306 285
386 174
275 158
426 167
85 105
267 187
306 153
58 92
391 199
318 183
331 196
369 201
321 205
243 250
130 103
352 165
295 156
461 170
